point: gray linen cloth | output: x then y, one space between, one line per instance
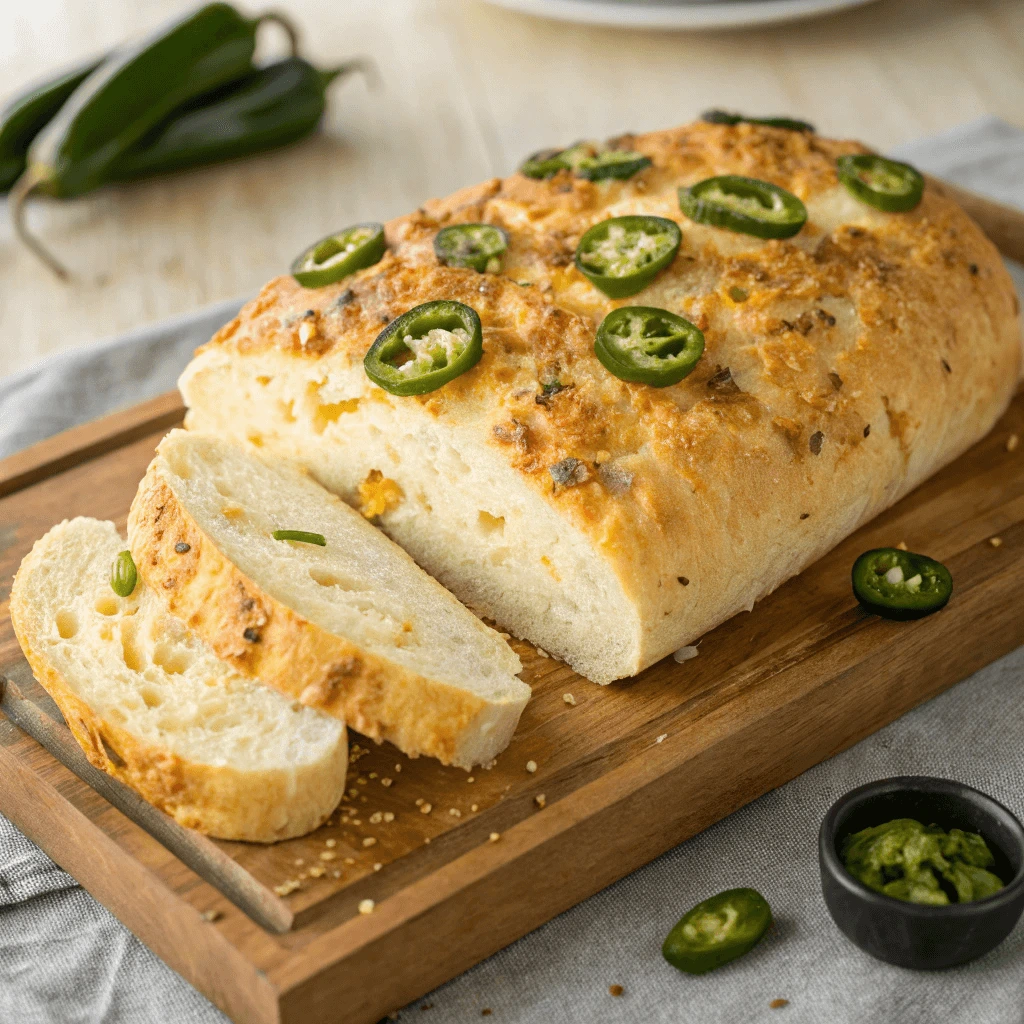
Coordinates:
63 958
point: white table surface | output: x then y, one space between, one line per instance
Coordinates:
467 91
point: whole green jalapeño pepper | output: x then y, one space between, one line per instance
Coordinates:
786 123
748 206
473 246
273 106
339 255
718 930
26 115
899 584
623 255
648 345
886 185
425 348
128 95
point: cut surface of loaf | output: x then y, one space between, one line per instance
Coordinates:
613 522
354 627
151 704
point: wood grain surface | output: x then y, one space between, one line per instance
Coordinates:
466 91
623 772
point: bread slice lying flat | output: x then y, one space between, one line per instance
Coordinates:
152 705
354 628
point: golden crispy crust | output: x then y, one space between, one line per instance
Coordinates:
841 367
265 640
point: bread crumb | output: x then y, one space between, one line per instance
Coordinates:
212 915
426 808
995 541
286 888
902 546
616 990
543 654
377 817
366 906
298 862
372 775
328 855
419 801
398 767
455 812
386 782
335 874
377 867
778 1004
389 815
1011 442
350 861
541 801
369 841
427 840
569 699
662 738
330 843
357 821
474 807
317 872
361 781
494 837
471 779
531 766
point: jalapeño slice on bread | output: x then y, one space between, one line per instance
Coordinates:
623 255
473 246
425 348
790 124
886 185
339 255
648 345
748 206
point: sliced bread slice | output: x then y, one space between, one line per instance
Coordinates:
152 705
353 627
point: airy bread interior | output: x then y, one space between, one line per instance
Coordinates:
238 759
454 505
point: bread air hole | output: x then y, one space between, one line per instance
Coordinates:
172 660
132 655
67 623
106 604
330 579
491 525
151 696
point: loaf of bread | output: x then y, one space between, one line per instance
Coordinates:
350 626
151 704
611 522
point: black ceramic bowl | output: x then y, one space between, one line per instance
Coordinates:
908 934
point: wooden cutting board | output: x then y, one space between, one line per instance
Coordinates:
623 772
